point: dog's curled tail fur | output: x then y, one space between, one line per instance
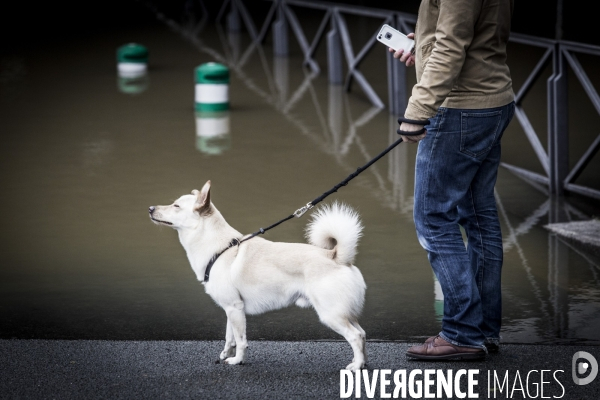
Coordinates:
338 227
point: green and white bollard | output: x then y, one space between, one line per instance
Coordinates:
212 87
132 60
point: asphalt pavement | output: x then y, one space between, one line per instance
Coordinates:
81 369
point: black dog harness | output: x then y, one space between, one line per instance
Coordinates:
234 242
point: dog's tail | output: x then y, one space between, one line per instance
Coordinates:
336 227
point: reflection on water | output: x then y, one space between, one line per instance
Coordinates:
212 132
80 260
570 276
438 303
133 84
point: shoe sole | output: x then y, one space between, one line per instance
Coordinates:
447 357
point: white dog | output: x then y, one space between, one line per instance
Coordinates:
258 275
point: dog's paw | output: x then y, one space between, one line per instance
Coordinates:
227 353
355 366
233 361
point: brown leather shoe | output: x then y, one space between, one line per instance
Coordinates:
436 348
431 339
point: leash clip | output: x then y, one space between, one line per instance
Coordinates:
301 211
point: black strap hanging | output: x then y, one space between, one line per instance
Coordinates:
414 122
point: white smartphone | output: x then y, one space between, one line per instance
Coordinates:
395 39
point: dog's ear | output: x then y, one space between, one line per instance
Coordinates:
202 198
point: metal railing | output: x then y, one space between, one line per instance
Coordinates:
558 176
281 17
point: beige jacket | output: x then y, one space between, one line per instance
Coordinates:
460 56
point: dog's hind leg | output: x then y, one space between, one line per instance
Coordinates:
237 318
344 327
229 350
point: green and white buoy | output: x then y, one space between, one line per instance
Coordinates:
132 60
212 87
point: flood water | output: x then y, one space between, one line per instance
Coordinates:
85 153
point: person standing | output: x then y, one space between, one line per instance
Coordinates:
461 105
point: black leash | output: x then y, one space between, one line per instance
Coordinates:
301 211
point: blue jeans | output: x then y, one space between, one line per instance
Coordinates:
456 170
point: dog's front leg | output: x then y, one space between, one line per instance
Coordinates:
237 318
229 350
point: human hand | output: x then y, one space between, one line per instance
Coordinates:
406 127
407 58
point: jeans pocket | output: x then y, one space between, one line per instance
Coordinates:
479 131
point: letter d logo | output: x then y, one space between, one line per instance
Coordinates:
582 368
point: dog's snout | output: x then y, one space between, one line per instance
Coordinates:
151 209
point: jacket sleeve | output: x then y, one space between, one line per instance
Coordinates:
454 33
